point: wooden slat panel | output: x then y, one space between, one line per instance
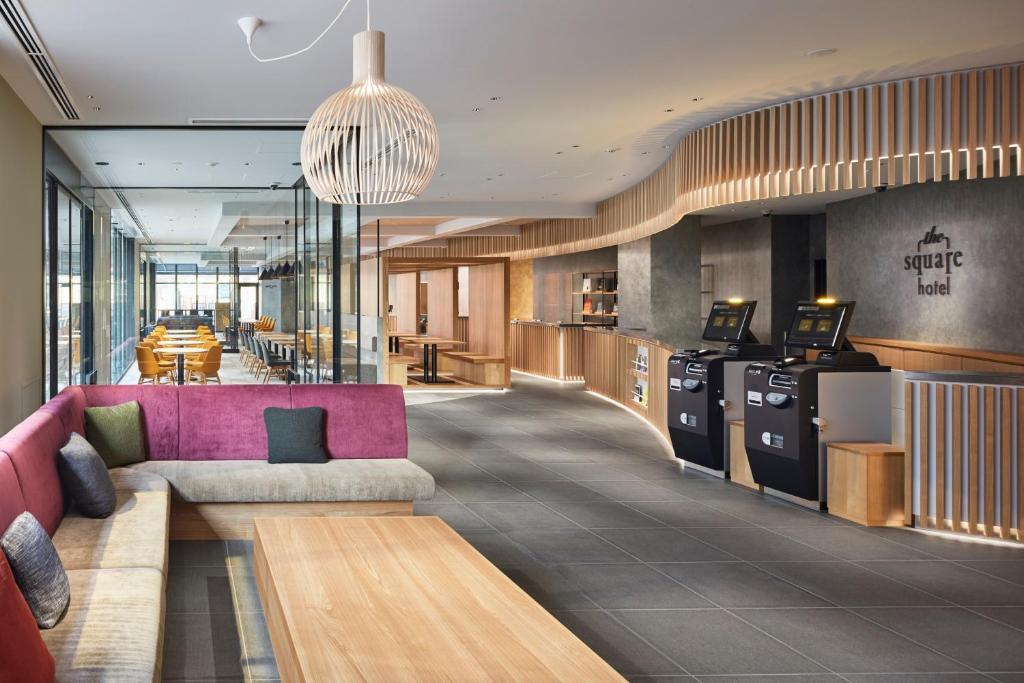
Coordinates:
940 455
989 131
957 463
1005 458
922 129
972 125
924 423
822 143
955 83
938 107
990 460
908 447
973 452
1020 464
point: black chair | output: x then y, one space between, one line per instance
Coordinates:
274 364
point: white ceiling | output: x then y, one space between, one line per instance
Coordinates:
593 73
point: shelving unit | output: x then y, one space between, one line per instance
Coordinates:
639 372
595 297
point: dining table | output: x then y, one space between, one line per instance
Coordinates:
181 342
180 352
430 346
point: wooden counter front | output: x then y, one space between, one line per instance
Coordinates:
548 349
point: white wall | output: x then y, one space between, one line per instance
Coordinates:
21 260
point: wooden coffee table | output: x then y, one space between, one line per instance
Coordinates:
403 599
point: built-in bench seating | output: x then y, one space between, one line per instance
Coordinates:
474 368
206 477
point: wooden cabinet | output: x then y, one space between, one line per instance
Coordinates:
865 483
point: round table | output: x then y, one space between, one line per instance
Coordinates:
180 352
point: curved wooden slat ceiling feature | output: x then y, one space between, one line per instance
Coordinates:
927 129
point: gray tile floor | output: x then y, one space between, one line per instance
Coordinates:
666 573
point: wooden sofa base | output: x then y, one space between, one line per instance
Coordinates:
234 521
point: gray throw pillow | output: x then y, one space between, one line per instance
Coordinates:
295 435
37 569
85 477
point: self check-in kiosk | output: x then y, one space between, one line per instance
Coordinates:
704 384
793 408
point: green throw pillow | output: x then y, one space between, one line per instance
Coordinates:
116 433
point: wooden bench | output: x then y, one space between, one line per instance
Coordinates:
403 599
474 368
865 483
398 368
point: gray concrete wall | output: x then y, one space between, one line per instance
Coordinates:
740 258
552 280
635 284
791 271
869 238
675 299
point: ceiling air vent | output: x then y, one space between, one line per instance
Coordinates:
37 56
131 211
237 122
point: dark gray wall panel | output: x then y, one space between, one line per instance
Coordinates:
635 285
675 260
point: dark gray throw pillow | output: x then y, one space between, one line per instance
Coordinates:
295 435
85 477
37 569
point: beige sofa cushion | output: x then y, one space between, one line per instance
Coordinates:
257 481
113 630
134 536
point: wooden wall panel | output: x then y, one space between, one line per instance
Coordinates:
488 309
406 300
923 357
765 154
442 302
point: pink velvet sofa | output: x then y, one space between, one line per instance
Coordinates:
206 477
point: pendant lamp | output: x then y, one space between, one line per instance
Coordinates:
373 142
264 273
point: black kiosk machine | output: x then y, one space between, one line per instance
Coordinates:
704 384
794 407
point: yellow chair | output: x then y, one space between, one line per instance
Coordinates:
206 368
149 368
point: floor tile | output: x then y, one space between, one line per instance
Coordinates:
199 589
952 582
715 642
201 645
777 678
456 515
662 545
483 492
519 471
969 638
508 516
498 548
1007 570
258 662
845 643
634 491
848 585
559 546
685 514
949 548
758 545
852 543
549 586
738 584
631 586
196 553
622 649
585 471
604 515
558 491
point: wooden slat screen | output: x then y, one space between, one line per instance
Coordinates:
765 153
964 465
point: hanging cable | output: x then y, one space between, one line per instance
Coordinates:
248 37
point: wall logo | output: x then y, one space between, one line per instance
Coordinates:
935 260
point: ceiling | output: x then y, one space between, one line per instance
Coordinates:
573 78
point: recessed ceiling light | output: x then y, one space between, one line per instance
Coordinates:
698 98
476 108
140 163
500 175
821 52
246 163
666 146
643 154
92 97
490 179
669 110
575 146
103 163
97 108
443 174
495 98
296 163
611 150
212 163
559 152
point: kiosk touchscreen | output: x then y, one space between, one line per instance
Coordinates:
704 385
793 408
